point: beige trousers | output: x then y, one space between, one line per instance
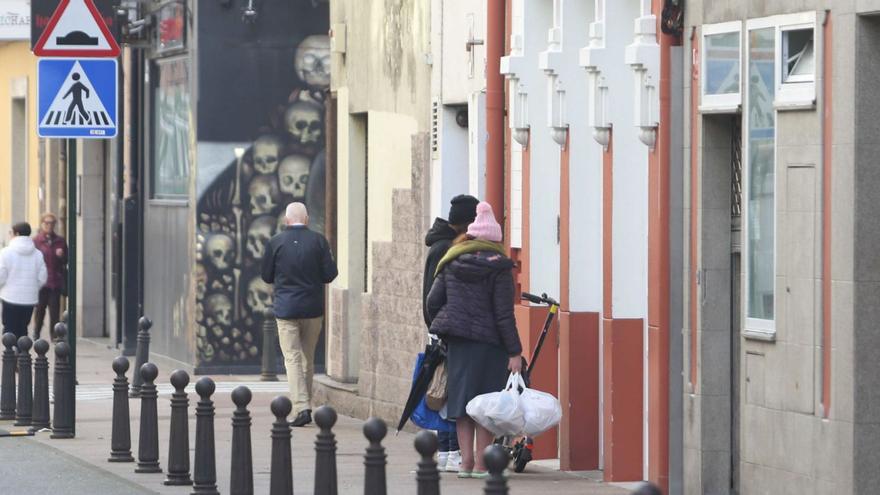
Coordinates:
298 339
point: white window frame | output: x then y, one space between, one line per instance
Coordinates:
758 328
798 94
721 103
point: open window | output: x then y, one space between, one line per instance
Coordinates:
721 77
796 61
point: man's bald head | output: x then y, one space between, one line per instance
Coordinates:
297 213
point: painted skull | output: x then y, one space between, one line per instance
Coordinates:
282 221
220 308
293 175
220 251
264 194
305 121
267 150
201 280
259 233
312 61
259 296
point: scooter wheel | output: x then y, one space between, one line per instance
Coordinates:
520 461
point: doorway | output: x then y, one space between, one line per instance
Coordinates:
720 296
735 294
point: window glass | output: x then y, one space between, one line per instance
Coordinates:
797 55
761 174
722 63
171 124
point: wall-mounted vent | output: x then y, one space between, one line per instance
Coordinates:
435 129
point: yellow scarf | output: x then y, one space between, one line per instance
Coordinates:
466 247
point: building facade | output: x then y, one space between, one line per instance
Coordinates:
20 187
781 278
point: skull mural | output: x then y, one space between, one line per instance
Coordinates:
201 281
267 151
259 296
220 251
293 175
305 121
312 61
264 194
259 233
219 307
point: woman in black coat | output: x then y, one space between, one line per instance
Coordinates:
471 308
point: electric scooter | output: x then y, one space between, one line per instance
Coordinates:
521 451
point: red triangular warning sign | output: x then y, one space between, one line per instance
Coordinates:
76 29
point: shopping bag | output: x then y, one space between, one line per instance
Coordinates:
500 412
435 397
424 417
541 411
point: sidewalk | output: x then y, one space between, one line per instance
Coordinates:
84 458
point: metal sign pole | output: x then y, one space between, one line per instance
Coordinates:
72 215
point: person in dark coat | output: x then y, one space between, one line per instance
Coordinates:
470 307
54 249
462 211
299 263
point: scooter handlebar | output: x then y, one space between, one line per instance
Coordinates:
542 299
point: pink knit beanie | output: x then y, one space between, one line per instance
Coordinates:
485 227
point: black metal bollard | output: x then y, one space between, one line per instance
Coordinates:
427 476
205 467
40 416
281 477
120 439
496 458
7 385
24 406
325 452
178 439
241 474
148 440
270 338
60 334
62 419
142 354
375 459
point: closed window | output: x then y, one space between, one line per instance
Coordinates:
721 68
761 181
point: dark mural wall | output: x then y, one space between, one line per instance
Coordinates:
263 84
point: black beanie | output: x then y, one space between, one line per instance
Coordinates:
463 209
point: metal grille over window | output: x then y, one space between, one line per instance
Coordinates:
736 170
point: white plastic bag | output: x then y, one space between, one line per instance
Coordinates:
500 412
541 411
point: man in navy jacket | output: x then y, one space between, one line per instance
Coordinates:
299 263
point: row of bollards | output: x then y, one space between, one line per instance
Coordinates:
27 401
204 474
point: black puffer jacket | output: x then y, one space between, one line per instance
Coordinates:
472 298
438 239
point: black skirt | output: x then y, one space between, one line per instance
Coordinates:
473 368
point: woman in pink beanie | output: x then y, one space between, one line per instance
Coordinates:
470 307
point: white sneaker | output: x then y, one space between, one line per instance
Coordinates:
442 459
453 462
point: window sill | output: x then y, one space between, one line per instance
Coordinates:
760 335
720 109
794 105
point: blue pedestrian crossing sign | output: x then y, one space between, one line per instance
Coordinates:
77 98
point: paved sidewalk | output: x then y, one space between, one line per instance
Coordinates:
85 457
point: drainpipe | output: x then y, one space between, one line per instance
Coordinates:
495 20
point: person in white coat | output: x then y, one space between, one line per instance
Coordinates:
22 274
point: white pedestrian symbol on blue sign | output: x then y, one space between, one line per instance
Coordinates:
77 98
